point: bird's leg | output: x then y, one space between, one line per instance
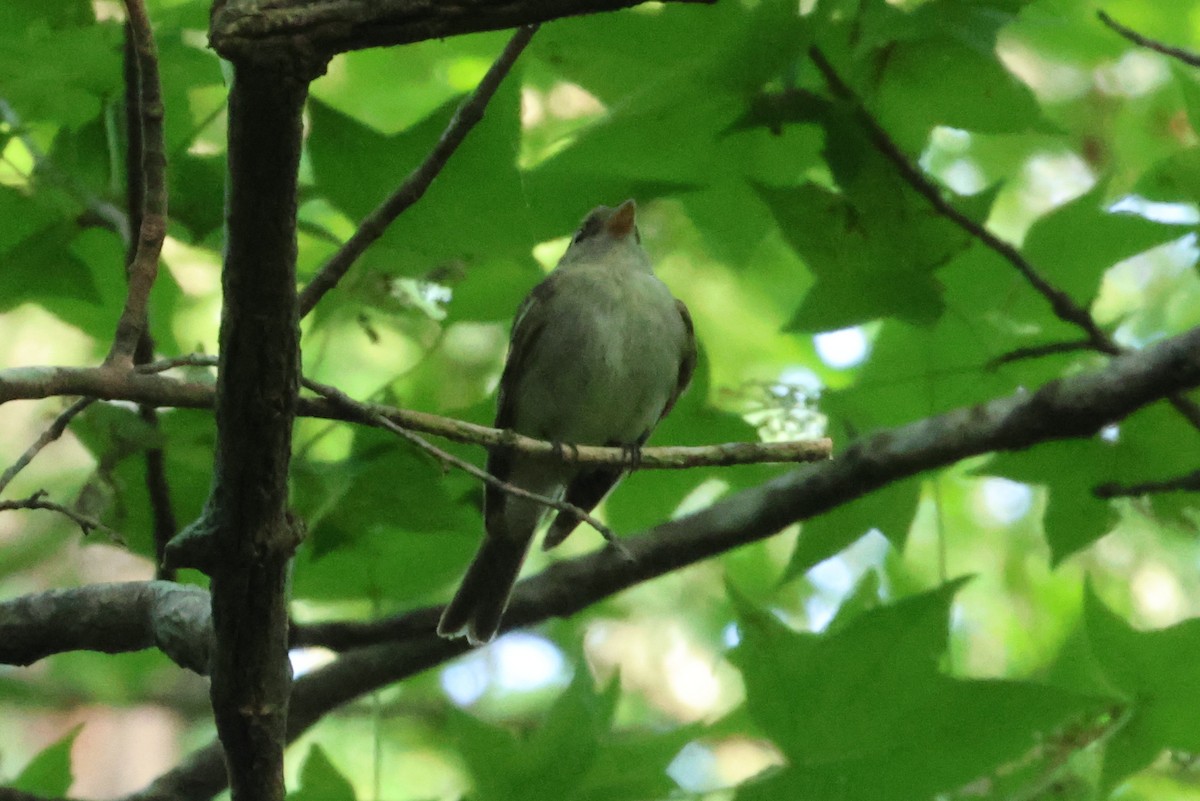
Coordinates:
560 449
633 456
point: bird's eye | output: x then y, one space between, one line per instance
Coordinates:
590 227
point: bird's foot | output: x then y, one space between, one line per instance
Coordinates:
633 456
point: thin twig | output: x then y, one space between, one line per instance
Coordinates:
86 524
367 415
52 433
153 229
1038 351
414 186
157 486
1187 483
189 360
1065 308
1186 56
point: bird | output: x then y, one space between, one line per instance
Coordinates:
600 352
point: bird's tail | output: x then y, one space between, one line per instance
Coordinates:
482 597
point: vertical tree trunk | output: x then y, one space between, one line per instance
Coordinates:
256 400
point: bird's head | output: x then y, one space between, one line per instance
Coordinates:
606 233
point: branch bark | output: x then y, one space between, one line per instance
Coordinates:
152 229
111 619
157 486
30 383
245 531
246 29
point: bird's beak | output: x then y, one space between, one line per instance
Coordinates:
621 222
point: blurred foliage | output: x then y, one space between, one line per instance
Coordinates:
848 658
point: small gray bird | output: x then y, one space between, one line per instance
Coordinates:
600 352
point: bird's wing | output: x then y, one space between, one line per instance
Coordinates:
687 359
585 490
527 329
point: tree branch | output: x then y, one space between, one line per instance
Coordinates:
1064 307
245 531
52 433
1072 407
244 29
1187 483
1186 56
140 386
157 486
1038 351
110 619
38 501
153 229
419 180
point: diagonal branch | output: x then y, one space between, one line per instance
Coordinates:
1186 56
1063 306
419 180
153 229
1038 351
1073 407
52 433
340 398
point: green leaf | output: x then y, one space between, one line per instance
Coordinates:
25 268
468 215
320 780
890 510
874 246
116 492
1154 672
194 180
386 524
1154 444
866 706
941 80
49 773
860 277
1073 245
554 762
1189 87
631 56
68 91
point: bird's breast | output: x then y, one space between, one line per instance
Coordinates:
606 360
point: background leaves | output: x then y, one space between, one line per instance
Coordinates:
853 661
